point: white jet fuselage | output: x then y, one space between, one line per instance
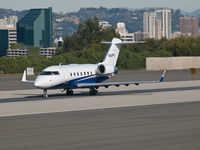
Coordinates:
68 76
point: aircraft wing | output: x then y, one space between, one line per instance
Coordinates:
24 78
106 85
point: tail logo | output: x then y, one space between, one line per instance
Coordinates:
111 55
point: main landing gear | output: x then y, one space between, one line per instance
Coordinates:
69 92
93 91
45 95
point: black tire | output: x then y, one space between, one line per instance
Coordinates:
93 91
69 92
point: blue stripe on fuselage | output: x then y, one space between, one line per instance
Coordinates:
86 79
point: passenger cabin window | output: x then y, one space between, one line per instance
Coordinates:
84 73
49 73
81 73
74 74
88 73
77 74
71 74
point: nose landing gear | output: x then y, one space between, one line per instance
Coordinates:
45 95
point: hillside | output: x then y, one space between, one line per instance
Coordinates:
10 12
132 18
65 24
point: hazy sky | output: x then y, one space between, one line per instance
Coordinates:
75 5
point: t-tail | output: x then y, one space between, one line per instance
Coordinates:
113 52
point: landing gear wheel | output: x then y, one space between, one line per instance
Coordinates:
69 92
93 91
45 95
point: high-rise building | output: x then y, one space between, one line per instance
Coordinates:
3 42
149 24
7 36
189 25
157 23
35 28
164 23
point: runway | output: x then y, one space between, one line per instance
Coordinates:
154 127
147 117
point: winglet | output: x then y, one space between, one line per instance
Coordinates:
24 76
163 75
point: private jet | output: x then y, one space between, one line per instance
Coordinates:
92 76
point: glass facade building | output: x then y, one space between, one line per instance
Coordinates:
35 28
4 42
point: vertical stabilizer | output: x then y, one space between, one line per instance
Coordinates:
113 52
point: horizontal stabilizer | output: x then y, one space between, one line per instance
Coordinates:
119 42
24 78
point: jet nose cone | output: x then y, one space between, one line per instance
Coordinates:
42 83
37 84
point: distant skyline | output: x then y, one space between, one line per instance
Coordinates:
74 5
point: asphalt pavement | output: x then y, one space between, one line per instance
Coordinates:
104 122
154 127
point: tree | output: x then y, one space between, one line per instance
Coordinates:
182 46
87 34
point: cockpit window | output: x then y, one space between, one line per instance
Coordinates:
49 73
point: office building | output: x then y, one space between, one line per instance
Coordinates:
164 26
7 36
10 21
121 28
125 36
104 24
3 22
12 53
35 28
157 24
149 24
189 25
179 34
58 42
4 45
140 35
48 52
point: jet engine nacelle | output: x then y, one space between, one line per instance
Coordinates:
105 69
